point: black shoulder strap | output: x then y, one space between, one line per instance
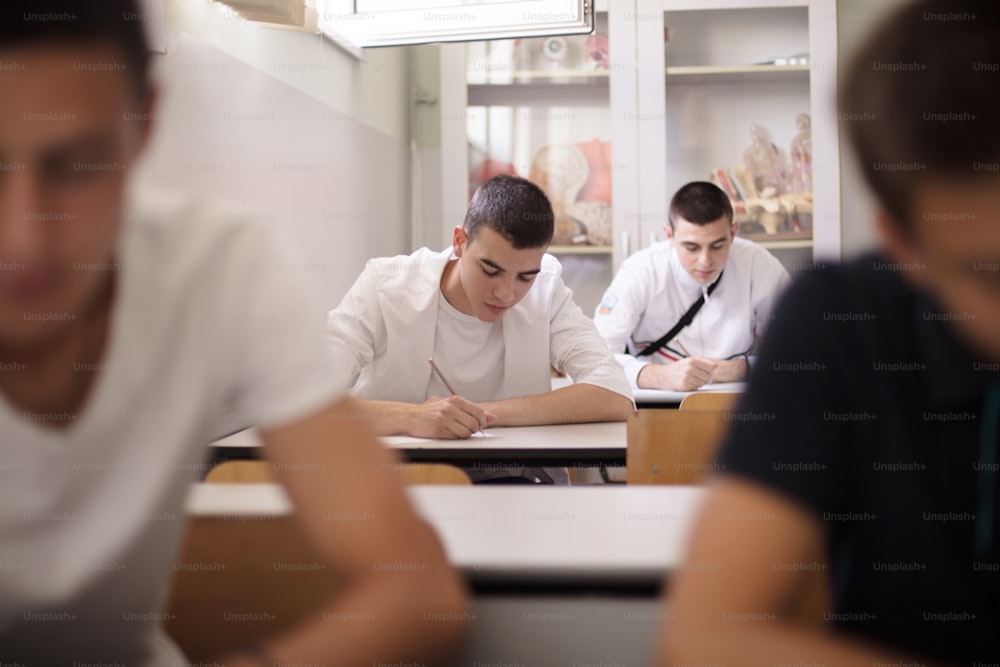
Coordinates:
685 320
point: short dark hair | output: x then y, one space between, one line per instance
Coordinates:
921 99
700 202
119 23
513 207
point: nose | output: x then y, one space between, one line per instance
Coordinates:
21 232
705 258
504 292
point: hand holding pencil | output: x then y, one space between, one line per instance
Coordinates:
686 374
448 418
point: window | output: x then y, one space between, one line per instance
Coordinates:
369 23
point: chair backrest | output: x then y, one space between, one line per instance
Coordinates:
259 472
672 446
678 447
710 400
434 473
241 579
241 472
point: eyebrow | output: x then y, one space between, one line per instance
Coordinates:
723 238
496 266
96 141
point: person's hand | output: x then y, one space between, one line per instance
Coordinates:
448 418
731 370
683 375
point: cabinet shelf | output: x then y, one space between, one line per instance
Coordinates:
579 250
785 245
685 73
579 93
528 77
738 74
781 240
589 88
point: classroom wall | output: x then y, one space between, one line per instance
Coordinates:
855 18
290 130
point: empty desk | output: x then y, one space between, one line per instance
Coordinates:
613 538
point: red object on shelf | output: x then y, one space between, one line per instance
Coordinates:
486 170
598 185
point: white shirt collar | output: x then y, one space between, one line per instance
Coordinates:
683 278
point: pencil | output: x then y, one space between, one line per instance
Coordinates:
681 345
437 371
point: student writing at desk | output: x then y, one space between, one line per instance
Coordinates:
494 314
866 447
130 326
724 285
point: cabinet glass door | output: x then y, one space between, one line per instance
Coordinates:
539 108
739 113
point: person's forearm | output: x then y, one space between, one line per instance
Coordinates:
397 585
650 376
731 370
750 641
574 404
385 417
632 366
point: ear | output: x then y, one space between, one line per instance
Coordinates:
899 245
735 228
459 239
146 126
668 232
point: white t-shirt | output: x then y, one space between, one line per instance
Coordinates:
652 290
212 329
470 353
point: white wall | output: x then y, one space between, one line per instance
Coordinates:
855 18
290 129
374 92
429 225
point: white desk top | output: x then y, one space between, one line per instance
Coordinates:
602 435
622 533
664 396
557 445
562 437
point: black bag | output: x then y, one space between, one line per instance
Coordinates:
685 320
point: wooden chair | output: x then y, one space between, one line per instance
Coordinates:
710 400
259 472
434 473
672 446
239 580
241 472
678 447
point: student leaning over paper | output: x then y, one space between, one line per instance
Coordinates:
724 284
495 316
